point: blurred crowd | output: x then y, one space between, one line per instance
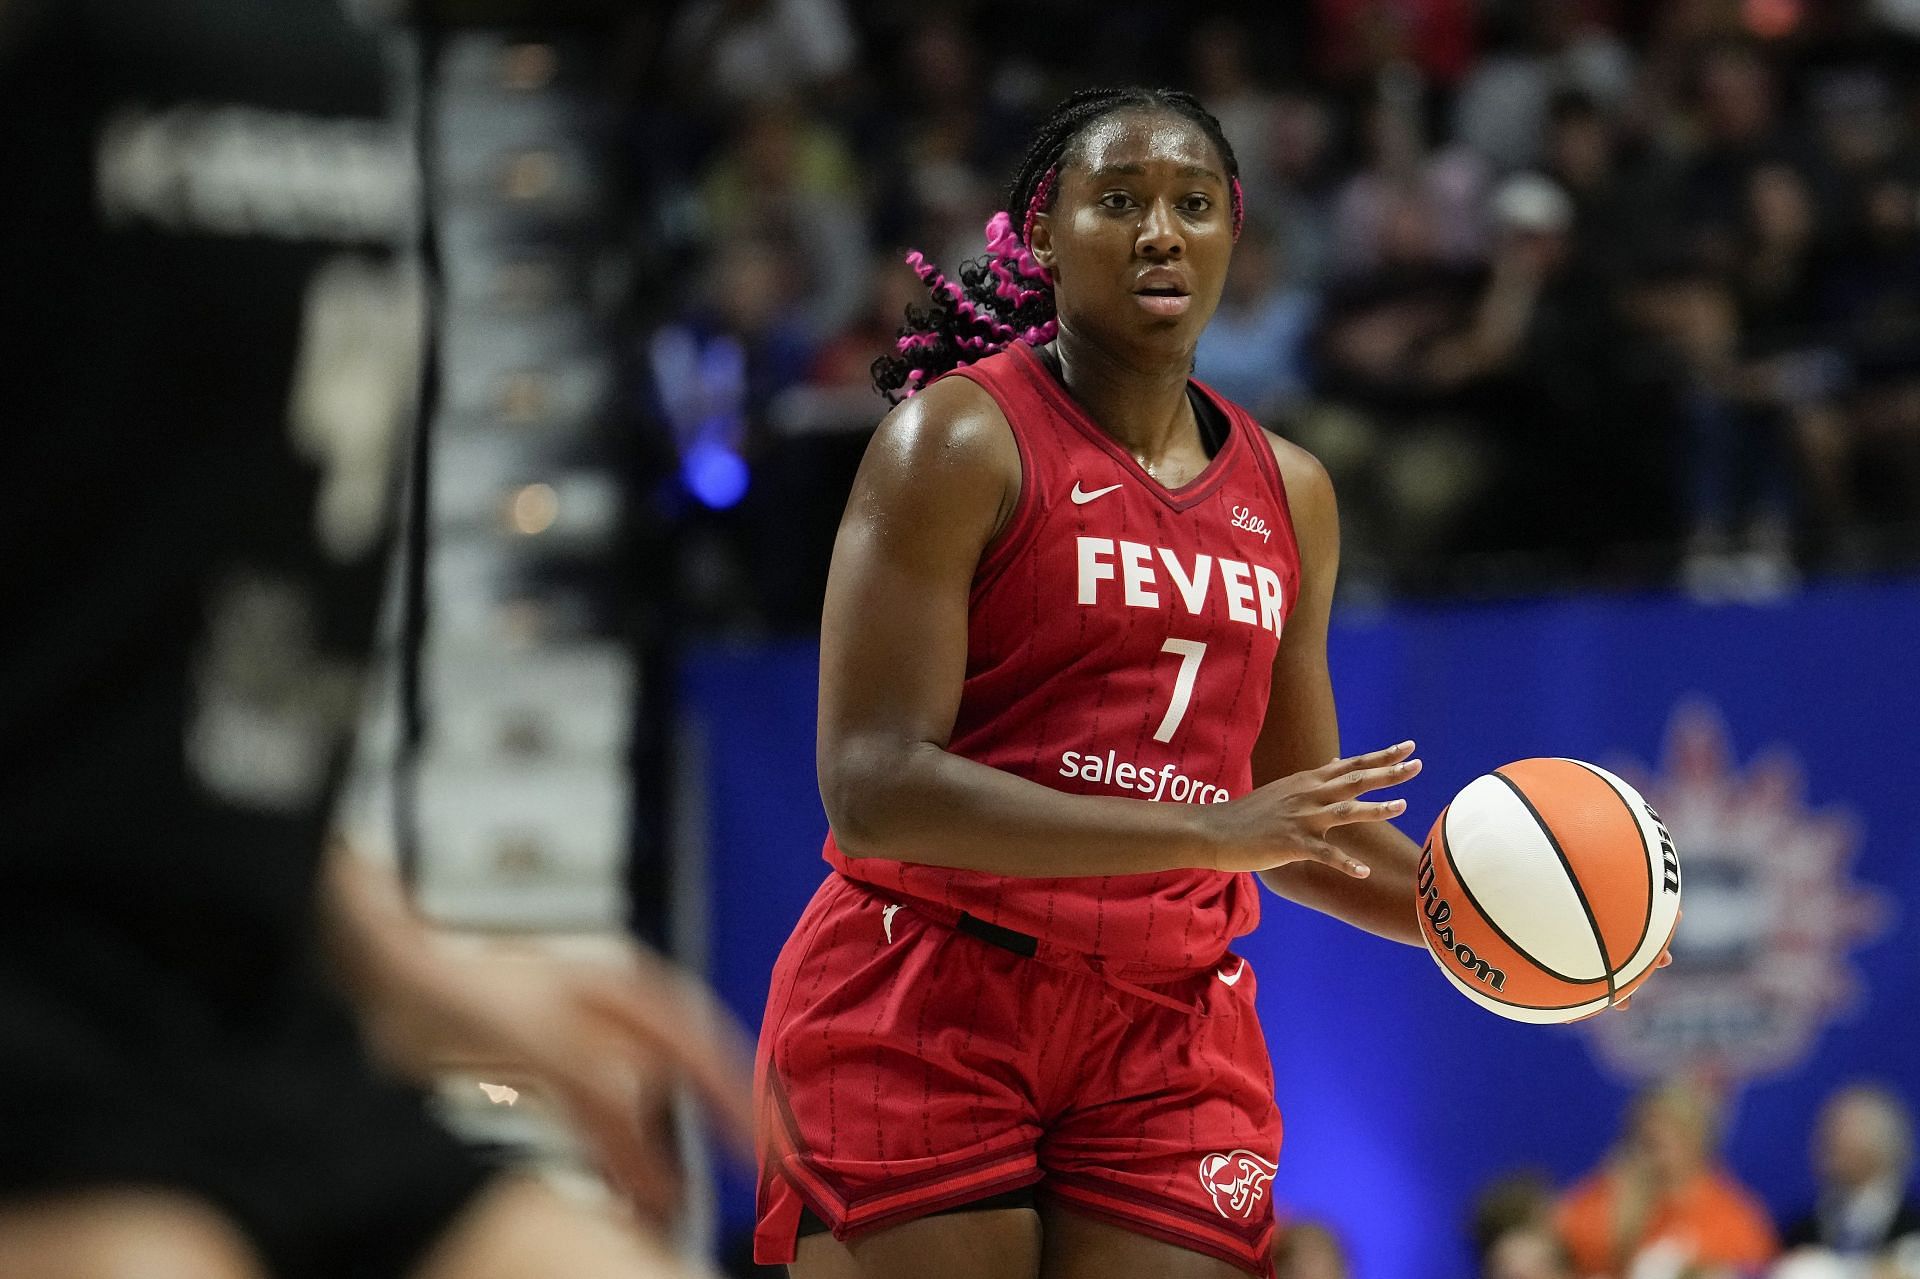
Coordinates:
1562 291
1662 1205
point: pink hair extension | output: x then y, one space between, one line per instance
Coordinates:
1042 192
1239 210
1015 271
1004 247
1010 288
931 276
1041 334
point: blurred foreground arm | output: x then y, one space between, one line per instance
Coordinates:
606 1041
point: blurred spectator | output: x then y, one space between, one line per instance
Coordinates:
1524 368
941 140
729 52
1380 321
1854 125
1766 380
1513 1233
1537 50
1865 467
1817 1263
1449 184
1583 155
716 373
1407 459
1254 352
1738 131
789 180
1410 459
1661 1203
1528 1252
747 328
1364 40
1248 113
1862 1157
1302 153
1522 1201
845 363
1639 252
1308 1250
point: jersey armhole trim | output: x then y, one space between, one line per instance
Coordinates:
1270 468
1020 524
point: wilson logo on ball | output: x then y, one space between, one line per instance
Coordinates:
1438 911
1548 890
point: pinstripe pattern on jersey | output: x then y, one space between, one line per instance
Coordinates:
1070 694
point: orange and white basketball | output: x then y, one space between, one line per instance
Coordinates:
1547 890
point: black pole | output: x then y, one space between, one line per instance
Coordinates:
416 533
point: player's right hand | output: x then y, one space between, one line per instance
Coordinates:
1288 820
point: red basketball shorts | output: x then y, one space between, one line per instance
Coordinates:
910 1065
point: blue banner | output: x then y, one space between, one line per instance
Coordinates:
1777 741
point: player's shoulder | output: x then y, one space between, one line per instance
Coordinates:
953 424
947 458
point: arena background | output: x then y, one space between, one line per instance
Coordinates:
1604 314
1792 971
1604 317
1644 527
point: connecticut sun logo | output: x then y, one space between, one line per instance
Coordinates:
1760 963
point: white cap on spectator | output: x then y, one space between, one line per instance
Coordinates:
1529 202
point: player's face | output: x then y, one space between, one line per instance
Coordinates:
1140 231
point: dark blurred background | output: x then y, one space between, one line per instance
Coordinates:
1567 294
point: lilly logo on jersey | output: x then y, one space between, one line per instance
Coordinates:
1243 517
1237 1181
1102 559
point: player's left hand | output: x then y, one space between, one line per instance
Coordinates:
1666 957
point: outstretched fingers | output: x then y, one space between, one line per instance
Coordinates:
1358 774
1344 781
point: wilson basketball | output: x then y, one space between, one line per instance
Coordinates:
1547 890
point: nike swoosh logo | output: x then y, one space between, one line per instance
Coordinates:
1081 497
1238 973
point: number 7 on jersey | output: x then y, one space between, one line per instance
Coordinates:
1190 651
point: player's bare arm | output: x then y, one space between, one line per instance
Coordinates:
606 1041
938 485
1303 731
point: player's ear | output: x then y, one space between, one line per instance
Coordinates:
1040 239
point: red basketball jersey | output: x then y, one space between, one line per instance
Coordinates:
1120 641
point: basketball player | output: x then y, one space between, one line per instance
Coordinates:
1008 1037
207 384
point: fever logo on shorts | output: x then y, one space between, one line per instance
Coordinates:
1761 959
1237 1181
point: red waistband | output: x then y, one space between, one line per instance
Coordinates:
1135 983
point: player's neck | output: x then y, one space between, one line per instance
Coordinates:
1141 403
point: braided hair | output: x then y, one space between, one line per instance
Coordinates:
1007 296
